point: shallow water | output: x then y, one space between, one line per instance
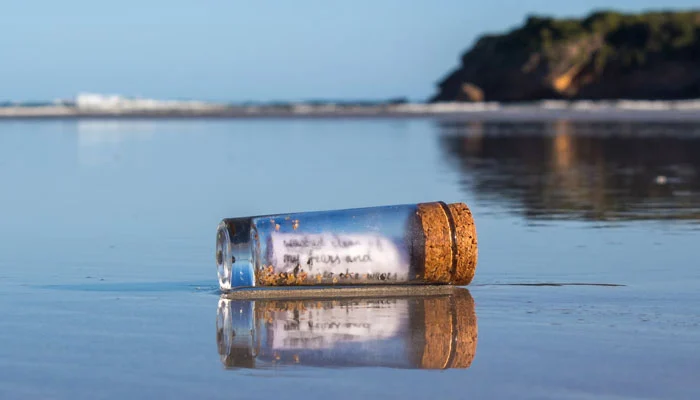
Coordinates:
107 275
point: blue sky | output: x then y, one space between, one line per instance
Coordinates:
233 50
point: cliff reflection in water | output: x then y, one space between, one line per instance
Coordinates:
591 171
417 332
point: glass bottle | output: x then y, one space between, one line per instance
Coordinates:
424 243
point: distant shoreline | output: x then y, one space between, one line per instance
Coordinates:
687 110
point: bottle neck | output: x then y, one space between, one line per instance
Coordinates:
235 254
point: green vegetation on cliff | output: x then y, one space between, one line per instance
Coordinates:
605 55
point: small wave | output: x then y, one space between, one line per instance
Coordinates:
579 105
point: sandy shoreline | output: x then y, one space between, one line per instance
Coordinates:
603 111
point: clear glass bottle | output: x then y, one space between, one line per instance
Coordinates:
408 332
424 243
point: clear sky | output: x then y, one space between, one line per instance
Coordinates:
235 50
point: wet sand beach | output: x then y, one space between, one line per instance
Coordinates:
586 286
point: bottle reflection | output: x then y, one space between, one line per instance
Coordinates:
417 332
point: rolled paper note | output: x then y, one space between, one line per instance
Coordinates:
424 243
409 332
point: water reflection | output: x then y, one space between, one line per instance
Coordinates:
586 170
417 332
100 141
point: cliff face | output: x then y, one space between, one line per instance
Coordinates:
607 55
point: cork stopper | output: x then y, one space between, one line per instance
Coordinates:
447 243
451 331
